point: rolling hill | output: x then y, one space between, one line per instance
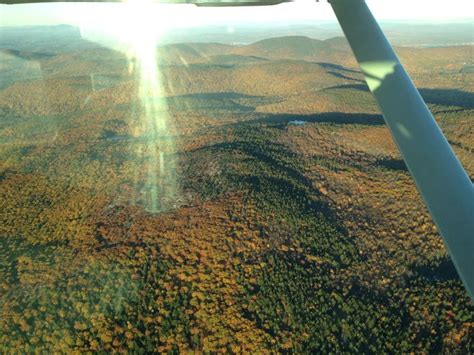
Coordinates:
256 204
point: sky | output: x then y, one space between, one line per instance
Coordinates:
189 15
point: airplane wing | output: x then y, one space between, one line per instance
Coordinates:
440 178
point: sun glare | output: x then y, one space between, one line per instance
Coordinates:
143 34
135 28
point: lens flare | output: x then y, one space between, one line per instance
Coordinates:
160 191
160 187
135 27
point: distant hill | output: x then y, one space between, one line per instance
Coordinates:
187 53
414 33
335 50
323 72
235 59
46 39
37 42
301 48
295 46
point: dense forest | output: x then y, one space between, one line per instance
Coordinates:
283 219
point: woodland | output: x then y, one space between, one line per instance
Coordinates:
267 236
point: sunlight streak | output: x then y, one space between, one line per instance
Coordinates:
160 191
135 28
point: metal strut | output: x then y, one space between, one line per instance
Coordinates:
439 176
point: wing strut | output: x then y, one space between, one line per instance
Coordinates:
443 183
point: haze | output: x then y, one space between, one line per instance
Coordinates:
188 15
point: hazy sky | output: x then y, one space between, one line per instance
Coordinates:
188 15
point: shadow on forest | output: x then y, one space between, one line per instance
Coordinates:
327 117
441 269
342 76
448 97
275 175
392 164
24 54
358 87
255 151
337 67
444 97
